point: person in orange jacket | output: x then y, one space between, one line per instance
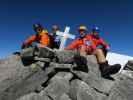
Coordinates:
41 37
89 41
88 44
76 44
95 41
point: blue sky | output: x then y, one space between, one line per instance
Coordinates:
114 17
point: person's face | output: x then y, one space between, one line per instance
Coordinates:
54 30
38 30
96 34
82 33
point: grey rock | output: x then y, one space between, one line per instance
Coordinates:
129 65
93 77
64 97
123 89
74 89
100 84
34 96
86 92
92 61
17 80
82 91
61 67
61 79
66 76
66 56
58 86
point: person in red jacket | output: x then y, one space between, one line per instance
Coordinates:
94 41
41 37
76 44
88 44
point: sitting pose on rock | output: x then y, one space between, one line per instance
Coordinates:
88 44
40 37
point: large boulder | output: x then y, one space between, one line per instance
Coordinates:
129 65
93 76
63 75
17 80
66 56
34 96
82 91
58 86
123 88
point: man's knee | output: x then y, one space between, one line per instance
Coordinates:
98 51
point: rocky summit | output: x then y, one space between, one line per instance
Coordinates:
60 75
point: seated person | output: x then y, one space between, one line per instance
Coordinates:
40 37
98 42
87 45
54 39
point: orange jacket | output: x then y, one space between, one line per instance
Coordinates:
76 44
42 38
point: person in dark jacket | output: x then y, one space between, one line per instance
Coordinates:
55 40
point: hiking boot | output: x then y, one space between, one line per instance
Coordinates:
107 70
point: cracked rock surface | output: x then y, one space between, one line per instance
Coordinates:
61 80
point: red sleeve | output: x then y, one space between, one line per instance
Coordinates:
73 45
104 43
30 40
